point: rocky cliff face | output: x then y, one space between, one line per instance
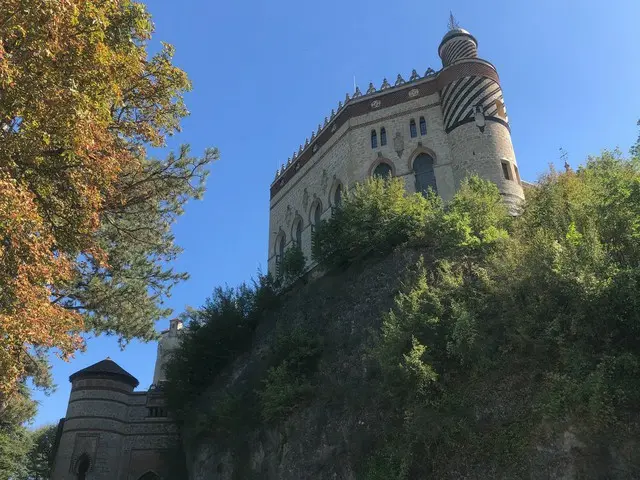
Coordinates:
331 435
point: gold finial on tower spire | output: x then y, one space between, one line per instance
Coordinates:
453 23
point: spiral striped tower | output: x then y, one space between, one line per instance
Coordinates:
475 116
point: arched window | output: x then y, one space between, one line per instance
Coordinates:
423 126
317 214
297 232
374 139
337 196
82 466
280 246
150 476
425 176
383 137
412 128
383 170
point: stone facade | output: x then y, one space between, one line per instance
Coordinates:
456 117
111 432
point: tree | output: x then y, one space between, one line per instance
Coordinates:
15 440
41 456
85 216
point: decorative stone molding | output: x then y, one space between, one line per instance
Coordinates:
324 182
414 92
414 76
371 89
399 80
346 99
315 148
305 199
430 72
357 93
334 127
376 104
289 215
385 84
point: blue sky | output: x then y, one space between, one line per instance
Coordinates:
265 73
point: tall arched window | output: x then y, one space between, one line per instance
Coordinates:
374 139
337 196
317 214
280 246
423 126
82 467
383 137
297 232
425 176
383 170
412 128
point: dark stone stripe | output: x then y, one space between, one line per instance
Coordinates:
459 47
102 400
460 89
464 93
445 92
471 119
110 389
106 430
473 97
467 52
137 422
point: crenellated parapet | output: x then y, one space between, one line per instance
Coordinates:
355 104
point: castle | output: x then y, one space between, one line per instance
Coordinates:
432 131
111 432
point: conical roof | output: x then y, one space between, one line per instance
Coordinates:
106 367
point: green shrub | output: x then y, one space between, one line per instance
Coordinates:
288 383
215 336
374 217
292 265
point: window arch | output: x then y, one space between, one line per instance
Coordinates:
412 128
280 244
296 231
425 175
150 476
383 170
383 137
423 126
82 466
316 214
337 195
374 139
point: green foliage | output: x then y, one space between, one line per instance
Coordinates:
374 217
288 383
215 336
524 318
292 265
41 456
15 440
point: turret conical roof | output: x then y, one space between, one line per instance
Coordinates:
106 367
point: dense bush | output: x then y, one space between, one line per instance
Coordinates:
374 217
292 265
215 335
538 315
288 384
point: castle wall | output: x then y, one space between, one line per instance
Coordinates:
348 158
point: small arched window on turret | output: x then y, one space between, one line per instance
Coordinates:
374 139
383 137
412 128
423 126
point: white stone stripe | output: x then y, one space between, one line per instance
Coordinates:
456 109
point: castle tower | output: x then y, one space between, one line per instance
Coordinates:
94 429
169 340
475 117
